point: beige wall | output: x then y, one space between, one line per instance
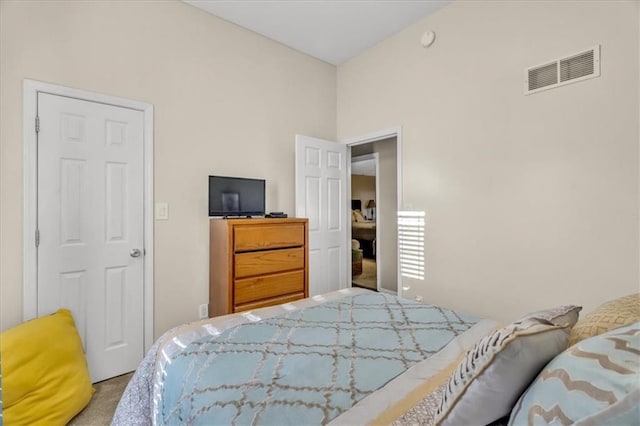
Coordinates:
227 101
363 188
386 209
530 201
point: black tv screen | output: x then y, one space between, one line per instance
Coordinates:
232 196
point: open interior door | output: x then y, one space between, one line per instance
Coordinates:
321 191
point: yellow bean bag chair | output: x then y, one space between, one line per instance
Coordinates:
45 379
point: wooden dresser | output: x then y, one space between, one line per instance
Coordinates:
256 262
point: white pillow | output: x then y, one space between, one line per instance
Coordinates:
357 216
488 382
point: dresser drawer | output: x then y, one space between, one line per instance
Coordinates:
248 238
269 302
268 262
267 286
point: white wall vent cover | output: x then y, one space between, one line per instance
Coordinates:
580 66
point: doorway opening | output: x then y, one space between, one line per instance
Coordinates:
379 205
364 193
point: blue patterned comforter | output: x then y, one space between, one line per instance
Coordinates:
297 365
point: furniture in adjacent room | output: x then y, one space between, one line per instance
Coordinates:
255 263
365 232
356 258
371 206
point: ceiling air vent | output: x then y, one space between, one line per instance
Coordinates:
577 67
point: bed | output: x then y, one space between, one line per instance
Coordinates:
359 357
322 359
364 231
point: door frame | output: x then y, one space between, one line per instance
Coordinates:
31 88
379 254
373 137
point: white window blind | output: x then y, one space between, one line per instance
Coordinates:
411 243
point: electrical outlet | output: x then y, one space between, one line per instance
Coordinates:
418 298
204 311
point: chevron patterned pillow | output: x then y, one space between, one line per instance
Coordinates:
594 382
494 373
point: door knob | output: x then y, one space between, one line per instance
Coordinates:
135 253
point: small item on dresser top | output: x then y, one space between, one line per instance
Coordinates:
277 214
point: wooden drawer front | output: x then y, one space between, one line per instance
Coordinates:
247 238
269 302
265 287
268 262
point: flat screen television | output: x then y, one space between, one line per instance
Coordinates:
233 196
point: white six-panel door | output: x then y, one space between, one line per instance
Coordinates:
321 184
90 223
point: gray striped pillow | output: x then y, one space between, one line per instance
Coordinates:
494 373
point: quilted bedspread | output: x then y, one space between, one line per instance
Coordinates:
301 363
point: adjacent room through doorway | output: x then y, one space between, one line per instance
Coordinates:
363 221
374 219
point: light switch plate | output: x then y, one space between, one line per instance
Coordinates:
162 211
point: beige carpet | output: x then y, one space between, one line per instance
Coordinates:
368 278
103 403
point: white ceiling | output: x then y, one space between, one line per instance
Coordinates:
331 30
366 168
